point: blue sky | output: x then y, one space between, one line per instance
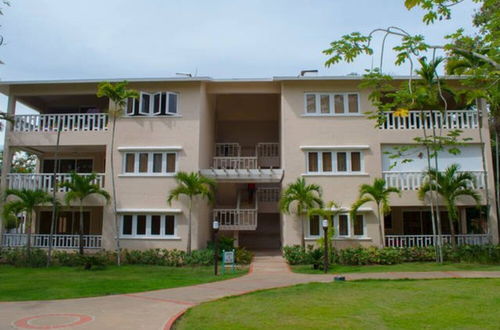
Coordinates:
63 39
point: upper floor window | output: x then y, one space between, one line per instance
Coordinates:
153 104
334 162
331 104
149 163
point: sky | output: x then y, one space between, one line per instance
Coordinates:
80 39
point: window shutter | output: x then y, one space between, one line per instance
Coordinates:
157 106
172 103
145 104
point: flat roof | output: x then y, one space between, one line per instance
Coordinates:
204 79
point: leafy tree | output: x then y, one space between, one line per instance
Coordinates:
450 185
22 162
192 185
118 93
25 201
300 197
78 188
379 194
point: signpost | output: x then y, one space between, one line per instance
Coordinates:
227 260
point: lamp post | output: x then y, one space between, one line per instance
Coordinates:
325 256
215 229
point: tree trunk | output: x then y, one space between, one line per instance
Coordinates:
483 156
28 231
81 228
452 230
189 226
381 226
54 206
302 220
113 184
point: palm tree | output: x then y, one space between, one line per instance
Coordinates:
119 94
379 194
192 185
78 188
450 185
331 210
26 201
299 198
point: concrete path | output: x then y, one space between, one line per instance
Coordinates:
158 309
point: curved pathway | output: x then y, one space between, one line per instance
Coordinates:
159 309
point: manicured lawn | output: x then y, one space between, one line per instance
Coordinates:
431 304
67 282
405 267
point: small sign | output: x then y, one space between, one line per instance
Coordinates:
227 260
229 257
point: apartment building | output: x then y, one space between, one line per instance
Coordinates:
252 136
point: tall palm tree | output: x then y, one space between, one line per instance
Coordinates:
26 201
119 94
78 188
379 194
192 185
450 185
298 198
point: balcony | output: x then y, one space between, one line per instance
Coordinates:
228 163
58 241
452 119
236 219
44 181
413 180
66 122
429 240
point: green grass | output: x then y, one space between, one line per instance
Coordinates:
403 304
68 282
405 267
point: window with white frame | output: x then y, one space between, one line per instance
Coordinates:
334 162
153 104
345 227
331 104
147 226
149 163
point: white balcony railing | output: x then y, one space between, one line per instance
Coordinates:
45 181
268 195
451 119
268 154
58 241
429 240
234 163
413 180
236 219
227 150
67 122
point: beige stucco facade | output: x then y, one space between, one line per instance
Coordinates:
243 112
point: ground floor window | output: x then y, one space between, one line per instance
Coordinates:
68 223
343 224
148 226
420 223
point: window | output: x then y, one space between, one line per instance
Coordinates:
149 163
314 226
68 165
358 225
343 222
147 226
328 104
313 162
332 162
153 104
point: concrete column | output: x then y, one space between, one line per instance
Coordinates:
7 155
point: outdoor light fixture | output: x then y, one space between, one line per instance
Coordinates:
303 72
215 227
324 224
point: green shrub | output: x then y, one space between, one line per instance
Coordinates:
18 257
243 256
296 255
202 257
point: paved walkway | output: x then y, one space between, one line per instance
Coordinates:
158 309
